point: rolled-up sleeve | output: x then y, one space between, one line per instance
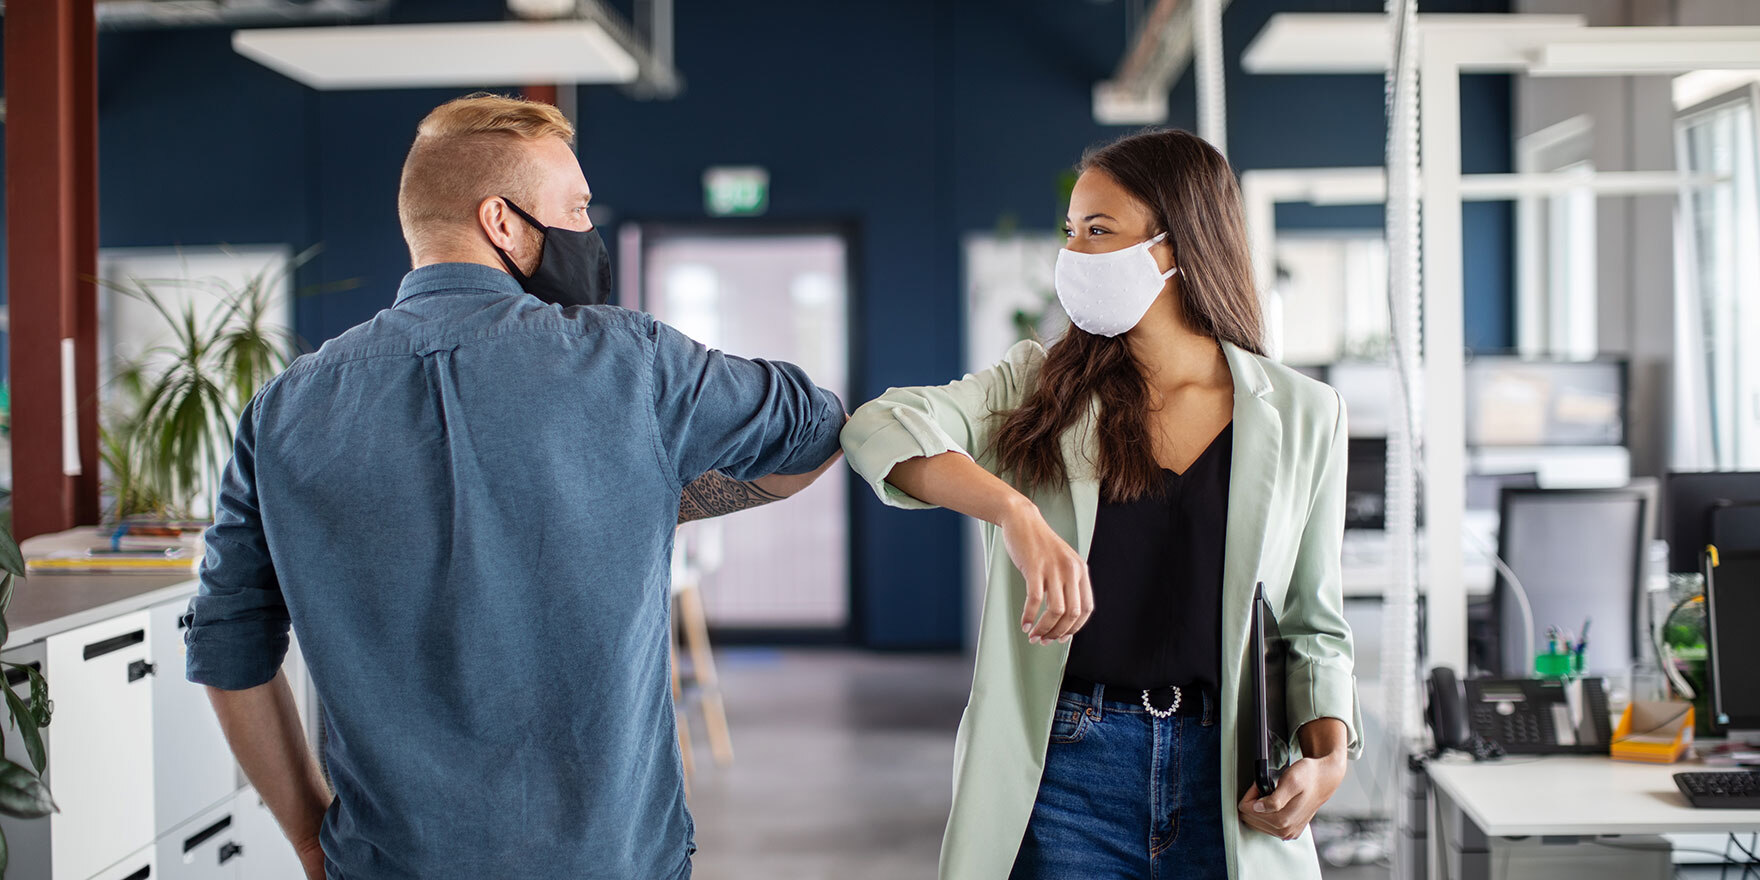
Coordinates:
237 622
921 422
1321 682
744 418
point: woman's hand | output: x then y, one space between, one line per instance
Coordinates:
1059 596
1057 577
1302 788
1304 785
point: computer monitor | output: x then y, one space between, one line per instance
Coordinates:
1732 608
1485 491
1365 486
1365 483
1688 501
1512 401
1580 555
1367 390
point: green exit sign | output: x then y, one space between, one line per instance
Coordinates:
730 191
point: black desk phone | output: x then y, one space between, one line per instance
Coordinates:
1519 716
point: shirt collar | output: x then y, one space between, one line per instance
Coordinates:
462 277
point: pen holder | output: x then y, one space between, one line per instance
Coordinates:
1564 665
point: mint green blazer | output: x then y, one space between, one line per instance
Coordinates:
1285 526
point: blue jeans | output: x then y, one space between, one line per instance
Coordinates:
1126 795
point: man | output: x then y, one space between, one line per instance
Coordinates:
465 508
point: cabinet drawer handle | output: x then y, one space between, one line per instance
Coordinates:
110 646
16 677
145 872
203 836
229 850
138 670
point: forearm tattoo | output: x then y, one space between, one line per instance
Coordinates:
716 494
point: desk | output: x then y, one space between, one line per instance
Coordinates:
1564 796
44 605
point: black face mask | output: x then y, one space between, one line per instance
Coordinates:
573 268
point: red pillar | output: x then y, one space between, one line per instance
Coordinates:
52 250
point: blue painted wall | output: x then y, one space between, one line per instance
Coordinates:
913 120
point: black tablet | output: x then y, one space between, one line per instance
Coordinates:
1270 720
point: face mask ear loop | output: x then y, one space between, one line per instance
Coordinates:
1153 242
512 267
533 220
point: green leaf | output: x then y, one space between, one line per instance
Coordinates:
27 729
22 794
42 708
4 855
11 560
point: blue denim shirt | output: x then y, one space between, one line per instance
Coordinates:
465 508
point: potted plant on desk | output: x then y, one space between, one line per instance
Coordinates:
22 791
166 440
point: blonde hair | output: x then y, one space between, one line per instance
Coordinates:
466 150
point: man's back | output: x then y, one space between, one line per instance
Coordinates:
468 505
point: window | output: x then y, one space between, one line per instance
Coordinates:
1332 288
1556 311
1717 317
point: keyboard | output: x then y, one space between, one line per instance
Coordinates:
1721 789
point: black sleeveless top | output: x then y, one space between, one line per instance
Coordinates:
1156 565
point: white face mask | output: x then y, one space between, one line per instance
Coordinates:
1107 294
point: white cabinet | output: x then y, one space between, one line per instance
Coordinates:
192 766
138 765
206 848
137 865
267 854
100 745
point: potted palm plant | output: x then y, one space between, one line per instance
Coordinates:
169 432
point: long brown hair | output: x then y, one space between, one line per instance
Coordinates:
1190 189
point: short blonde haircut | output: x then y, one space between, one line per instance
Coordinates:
467 150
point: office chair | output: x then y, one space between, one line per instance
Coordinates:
1579 554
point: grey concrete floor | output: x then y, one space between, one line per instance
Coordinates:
842 767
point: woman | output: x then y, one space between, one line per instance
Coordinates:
1137 480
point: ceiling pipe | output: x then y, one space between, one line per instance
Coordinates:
1162 47
1209 72
656 77
145 14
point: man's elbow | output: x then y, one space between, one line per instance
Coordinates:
786 485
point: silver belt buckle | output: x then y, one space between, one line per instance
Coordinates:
1162 713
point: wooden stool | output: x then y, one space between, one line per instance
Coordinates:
684 730
691 624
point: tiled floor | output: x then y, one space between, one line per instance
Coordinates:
842 767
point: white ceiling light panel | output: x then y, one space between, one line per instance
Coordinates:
440 55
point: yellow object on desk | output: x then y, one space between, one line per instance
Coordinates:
74 562
1653 732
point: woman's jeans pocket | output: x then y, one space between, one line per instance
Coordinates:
1070 723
